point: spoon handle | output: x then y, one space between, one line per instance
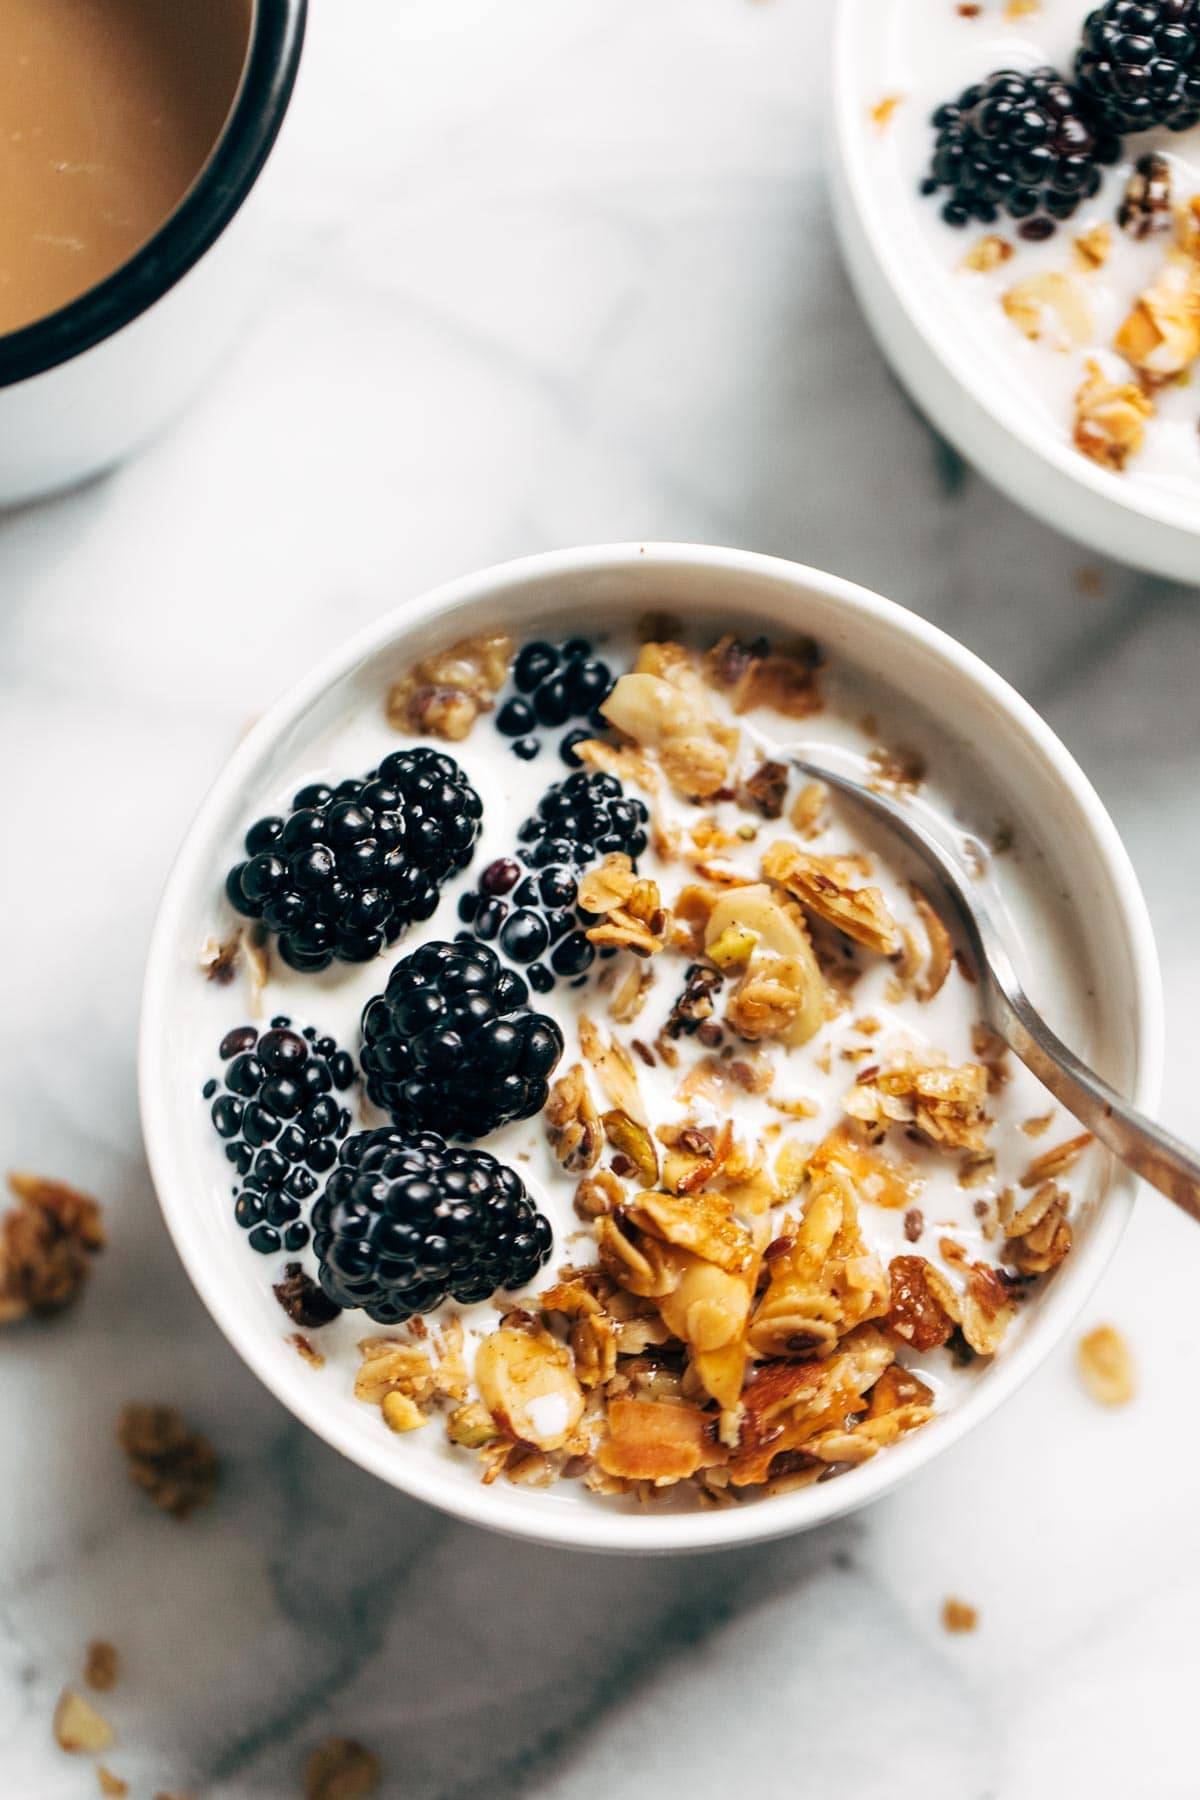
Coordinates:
1133 1139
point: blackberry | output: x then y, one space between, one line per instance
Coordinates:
351 866
554 684
452 1042
578 820
1139 64
276 1106
407 1221
1029 145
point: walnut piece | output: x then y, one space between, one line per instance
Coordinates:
46 1242
341 1769
175 1466
1106 1366
1161 336
444 693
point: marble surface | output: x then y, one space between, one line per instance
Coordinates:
539 274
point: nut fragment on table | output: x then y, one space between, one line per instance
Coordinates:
341 1769
175 1466
1106 1366
47 1239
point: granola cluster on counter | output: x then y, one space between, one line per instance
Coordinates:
726 1320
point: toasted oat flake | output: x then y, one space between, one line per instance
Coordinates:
1106 1366
959 1615
832 887
78 1727
341 1769
1056 1161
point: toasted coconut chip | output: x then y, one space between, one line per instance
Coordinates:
825 885
657 1441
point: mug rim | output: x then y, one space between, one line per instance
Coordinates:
215 196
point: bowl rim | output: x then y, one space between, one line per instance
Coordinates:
849 139
594 1527
273 49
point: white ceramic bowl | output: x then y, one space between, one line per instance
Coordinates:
1034 780
81 389
986 418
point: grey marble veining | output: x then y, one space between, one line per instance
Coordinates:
540 274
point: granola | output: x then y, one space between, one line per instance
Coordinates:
47 1240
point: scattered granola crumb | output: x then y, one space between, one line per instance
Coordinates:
46 1240
111 1785
341 1770
400 1413
1021 9
302 1300
101 1666
914 1224
1106 1366
78 1727
1036 1127
306 1350
987 254
1094 247
884 110
1110 418
897 771
958 1615
175 1466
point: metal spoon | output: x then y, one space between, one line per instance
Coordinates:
1133 1139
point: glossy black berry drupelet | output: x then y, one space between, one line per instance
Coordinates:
452 1043
1028 145
351 866
533 915
278 1109
407 1221
555 683
1139 64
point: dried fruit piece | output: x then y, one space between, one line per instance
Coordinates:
914 1313
302 1300
766 789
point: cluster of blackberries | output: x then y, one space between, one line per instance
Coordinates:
555 685
1028 145
1139 64
406 1221
349 867
1032 144
452 1043
532 910
276 1105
